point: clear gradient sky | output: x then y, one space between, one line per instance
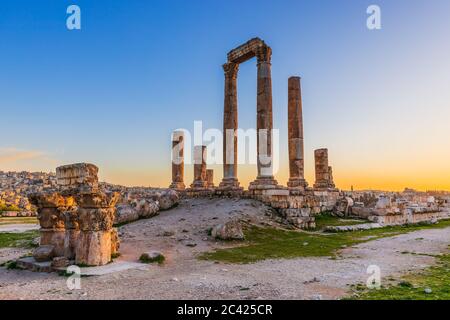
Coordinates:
111 93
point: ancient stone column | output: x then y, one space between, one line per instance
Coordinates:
295 135
199 168
264 119
322 173
178 161
96 214
230 126
72 230
90 239
330 178
50 208
210 178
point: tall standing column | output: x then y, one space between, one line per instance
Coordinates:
199 168
230 126
264 121
295 134
322 173
178 160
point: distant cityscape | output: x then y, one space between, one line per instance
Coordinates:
16 186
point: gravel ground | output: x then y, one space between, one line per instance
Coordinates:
181 234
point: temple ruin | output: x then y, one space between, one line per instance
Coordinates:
296 203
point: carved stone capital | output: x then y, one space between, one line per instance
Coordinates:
264 54
231 69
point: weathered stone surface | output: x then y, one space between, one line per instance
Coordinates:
59 262
232 230
44 253
71 237
115 242
295 134
82 176
322 169
147 208
54 238
97 199
168 199
94 248
96 219
47 200
125 213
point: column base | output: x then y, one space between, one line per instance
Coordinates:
297 183
263 183
229 183
177 186
199 184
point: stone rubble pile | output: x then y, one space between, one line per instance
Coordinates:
141 205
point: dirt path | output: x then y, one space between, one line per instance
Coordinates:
175 232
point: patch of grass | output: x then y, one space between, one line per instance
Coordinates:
18 240
269 243
327 220
11 264
146 259
432 283
115 255
18 220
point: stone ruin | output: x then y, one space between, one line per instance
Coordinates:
76 222
297 203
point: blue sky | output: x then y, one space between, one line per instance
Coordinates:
112 92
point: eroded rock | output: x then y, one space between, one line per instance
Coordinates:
232 230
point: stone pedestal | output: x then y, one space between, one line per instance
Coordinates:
178 161
295 135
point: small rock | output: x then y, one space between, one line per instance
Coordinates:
191 244
317 297
168 233
44 253
428 290
231 230
60 262
305 243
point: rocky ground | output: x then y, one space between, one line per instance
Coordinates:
181 234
